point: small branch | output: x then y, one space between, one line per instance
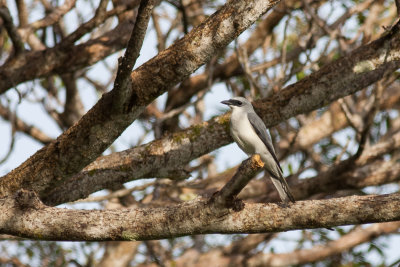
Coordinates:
354 119
157 27
22 126
73 107
99 18
116 194
184 17
398 7
245 64
246 171
12 30
53 17
132 52
22 13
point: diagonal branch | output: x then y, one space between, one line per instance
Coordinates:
52 17
132 52
12 30
246 171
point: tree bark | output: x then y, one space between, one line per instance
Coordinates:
24 215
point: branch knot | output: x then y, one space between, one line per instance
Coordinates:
27 199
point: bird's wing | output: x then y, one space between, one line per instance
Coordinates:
261 130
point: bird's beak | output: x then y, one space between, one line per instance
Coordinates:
227 102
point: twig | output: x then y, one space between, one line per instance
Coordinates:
284 65
12 31
157 27
355 120
99 18
53 17
153 247
115 194
184 17
245 64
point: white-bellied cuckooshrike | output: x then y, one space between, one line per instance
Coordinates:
251 135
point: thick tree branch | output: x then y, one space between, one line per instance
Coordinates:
194 217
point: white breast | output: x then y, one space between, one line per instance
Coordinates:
244 135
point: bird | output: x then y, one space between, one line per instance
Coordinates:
251 135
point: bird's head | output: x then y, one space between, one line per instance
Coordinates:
237 103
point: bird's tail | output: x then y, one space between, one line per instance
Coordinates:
282 187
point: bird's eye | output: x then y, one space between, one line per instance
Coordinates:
239 103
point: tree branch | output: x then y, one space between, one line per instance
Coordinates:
22 126
194 217
12 30
246 171
123 89
54 16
